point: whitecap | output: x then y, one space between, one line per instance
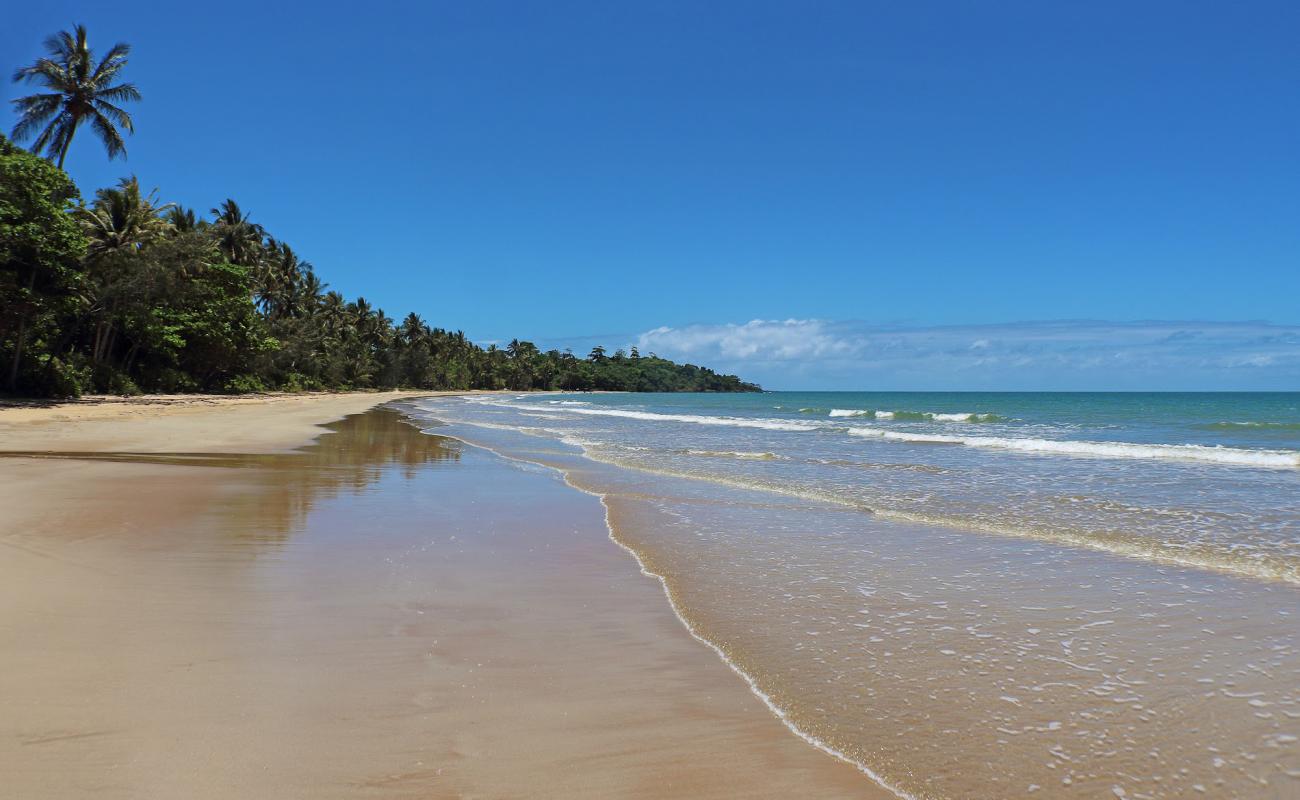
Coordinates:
1162 452
697 419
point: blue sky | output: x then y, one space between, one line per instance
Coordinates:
575 171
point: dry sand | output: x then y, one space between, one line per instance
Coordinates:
182 423
188 609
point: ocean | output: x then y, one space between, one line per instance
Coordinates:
968 594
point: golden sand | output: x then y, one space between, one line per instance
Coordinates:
189 609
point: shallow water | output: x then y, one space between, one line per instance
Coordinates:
1209 480
970 620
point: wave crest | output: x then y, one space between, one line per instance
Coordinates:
1163 452
697 419
1251 426
917 416
743 455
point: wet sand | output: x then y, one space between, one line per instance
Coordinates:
190 608
952 663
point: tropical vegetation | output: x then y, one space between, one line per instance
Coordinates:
80 90
124 293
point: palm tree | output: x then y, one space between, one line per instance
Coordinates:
119 224
362 315
184 220
123 218
413 329
81 91
239 240
278 288
335 314
311 291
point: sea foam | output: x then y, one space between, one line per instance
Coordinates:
1096 449
916 416
744 455
697 419
1163 452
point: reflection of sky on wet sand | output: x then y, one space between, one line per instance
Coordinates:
383 612
351 455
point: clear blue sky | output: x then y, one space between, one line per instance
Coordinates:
562 170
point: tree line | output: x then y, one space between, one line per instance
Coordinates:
123 293
126 294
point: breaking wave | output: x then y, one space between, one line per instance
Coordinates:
1097 449
916 416
1163 452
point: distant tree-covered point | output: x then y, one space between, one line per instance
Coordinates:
126 294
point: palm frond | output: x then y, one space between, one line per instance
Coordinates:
113 143
229 213
120 92
61 44
33 111
77 54
113 61
38 103
50 73
51 135
115 114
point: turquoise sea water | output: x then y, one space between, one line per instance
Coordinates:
969 594
1205 479
1245 420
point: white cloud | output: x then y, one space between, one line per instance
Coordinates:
812 353
796 339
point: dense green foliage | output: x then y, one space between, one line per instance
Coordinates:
126 294
41 251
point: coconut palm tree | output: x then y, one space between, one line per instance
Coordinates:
118 225
311 291
123 218
239 240
412 329
277 289
80 91
363 315
335 315
184 220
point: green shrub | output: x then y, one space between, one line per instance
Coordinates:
111 380
51 376
169 380
243 384
297 382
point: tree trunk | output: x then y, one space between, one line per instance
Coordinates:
64 346
18 353
63 151
108 347
101 339
130 358
104 335
21 339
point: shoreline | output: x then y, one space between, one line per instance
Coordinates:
701 727
881 638
674 604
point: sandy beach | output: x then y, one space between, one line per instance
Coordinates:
217 597
654 400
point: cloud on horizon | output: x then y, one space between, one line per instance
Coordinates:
1048 355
